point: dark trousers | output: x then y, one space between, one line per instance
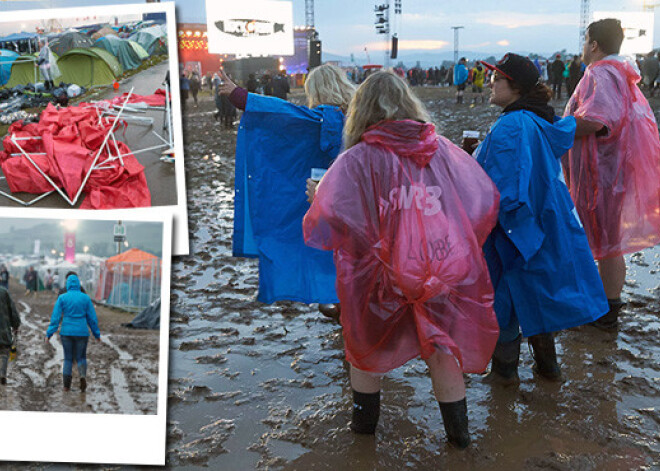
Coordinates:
75 348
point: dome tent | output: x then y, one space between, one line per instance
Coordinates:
139 50
24 70
89 67
103 32
121 49
7 59
152 39
70 40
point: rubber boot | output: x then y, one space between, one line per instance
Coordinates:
610 321
504 367
83 384
67 382
545 356
455 420
330 310
366 410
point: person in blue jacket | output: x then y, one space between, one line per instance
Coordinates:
460 78
75 311
278 145
541 267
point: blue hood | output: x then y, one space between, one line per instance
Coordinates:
72 283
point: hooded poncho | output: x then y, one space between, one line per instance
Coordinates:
406 213
278 144
538 256
615 179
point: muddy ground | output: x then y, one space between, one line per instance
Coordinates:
266 387
122 372
256 386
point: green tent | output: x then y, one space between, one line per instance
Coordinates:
121 49
139 50
152 39
89 67
23 71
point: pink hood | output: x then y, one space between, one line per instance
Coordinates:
407 138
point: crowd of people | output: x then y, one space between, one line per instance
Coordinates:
442 255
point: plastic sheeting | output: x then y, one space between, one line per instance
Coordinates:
149 318
406 213
70 138
538 255
278 144
156 99
615 179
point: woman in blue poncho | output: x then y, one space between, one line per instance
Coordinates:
75 312
278 144
542 270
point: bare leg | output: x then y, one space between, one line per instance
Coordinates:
613 274
364 382
447 377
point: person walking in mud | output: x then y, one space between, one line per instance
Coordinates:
278 145
538 256
184 86
195 86
406 212
31 281
557 76
10 321
613 169
75 312
460 79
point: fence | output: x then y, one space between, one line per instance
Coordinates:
129 285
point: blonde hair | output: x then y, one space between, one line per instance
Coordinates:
384 96
328 85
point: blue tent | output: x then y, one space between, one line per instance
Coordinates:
7 58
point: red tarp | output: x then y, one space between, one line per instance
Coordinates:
157 99
71 138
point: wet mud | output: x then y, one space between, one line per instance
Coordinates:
122 369
256 386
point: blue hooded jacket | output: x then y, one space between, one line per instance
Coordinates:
75 311
278 144
461 74
538 255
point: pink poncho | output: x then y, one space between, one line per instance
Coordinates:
406 213
615 179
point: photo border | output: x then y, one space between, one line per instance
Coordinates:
179 212
96 437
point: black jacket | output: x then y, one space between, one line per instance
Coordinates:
9 318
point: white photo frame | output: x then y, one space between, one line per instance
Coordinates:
179 211
99 438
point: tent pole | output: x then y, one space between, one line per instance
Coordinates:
99 151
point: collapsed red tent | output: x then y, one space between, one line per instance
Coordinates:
157 99
70 138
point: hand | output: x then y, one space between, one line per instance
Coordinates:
311 190
98 339
47 339
226 85
470 144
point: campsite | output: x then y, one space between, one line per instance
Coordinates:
86 117
123 367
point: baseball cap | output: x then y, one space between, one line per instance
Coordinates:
518 69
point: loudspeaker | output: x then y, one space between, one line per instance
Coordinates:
314 53
395 47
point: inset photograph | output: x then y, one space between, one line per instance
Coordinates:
89 118
82 327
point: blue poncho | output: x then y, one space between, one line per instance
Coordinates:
460 74
538 256
278 144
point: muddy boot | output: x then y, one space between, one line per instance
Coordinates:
366 410
83 384
545 356
609 321
504 367
455 420
66 379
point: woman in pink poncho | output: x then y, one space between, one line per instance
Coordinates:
406 213
613 170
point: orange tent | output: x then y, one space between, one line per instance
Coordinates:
134 261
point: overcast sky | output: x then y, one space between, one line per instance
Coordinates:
347 26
